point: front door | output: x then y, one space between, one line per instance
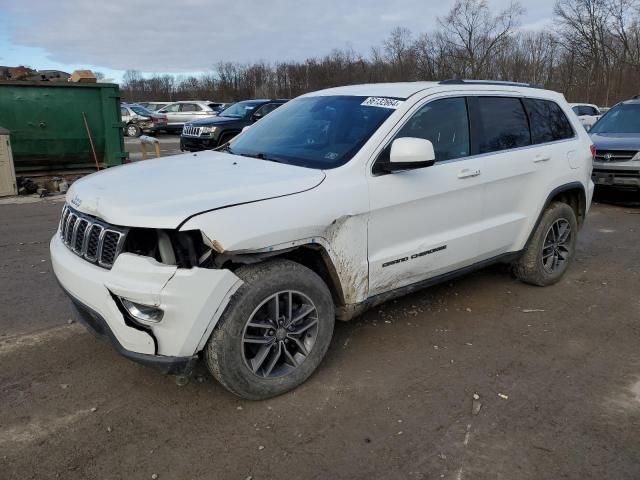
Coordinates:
428 221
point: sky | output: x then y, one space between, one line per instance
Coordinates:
191 36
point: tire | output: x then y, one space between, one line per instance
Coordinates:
538 266
242 366
133 130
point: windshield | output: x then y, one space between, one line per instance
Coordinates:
315 132
624 118
240 110
141 110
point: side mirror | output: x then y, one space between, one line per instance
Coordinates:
408 154
256 116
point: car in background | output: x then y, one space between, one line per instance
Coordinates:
139 120
616 137
179 113
587 113
154 106
604 110
213 132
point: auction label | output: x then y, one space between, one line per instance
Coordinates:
382 102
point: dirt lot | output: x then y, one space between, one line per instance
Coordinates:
557 370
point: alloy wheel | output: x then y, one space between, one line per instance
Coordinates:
280 334
556 246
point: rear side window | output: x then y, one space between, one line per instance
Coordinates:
504 124
190 107
585 110
445 123
548 121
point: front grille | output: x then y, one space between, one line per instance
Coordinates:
615 155
94 240
192 131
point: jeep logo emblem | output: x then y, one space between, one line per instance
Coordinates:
76 201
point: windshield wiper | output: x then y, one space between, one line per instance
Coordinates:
225 148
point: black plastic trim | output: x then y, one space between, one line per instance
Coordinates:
97 325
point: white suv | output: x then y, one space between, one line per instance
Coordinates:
337 201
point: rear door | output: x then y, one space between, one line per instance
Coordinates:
190 112
515 170
172 111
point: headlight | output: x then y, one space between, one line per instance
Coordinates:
209 130
144 313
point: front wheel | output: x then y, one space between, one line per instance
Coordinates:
274 332
551 248
133 130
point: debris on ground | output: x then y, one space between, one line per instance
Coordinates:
476 405
94 409
531 310
503 396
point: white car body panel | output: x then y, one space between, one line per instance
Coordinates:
362 221
587 121
163 192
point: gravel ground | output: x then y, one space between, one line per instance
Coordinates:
557 372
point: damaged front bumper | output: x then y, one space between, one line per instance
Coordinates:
192 301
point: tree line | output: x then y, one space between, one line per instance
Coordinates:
590 52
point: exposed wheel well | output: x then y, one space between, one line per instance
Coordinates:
573 196
312 256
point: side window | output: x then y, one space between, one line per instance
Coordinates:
503 124
124 112
189 107
174 107
445 123
265 109
548 121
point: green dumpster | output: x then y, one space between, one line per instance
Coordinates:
48 132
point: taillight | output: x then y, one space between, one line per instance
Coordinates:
593 152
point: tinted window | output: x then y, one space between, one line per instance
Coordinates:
141 110
585 110
269 107
189 107
445 123
548 121
315 132
174 107
241 109
504 124
623 118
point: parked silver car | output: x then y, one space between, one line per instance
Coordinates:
179 113
154 106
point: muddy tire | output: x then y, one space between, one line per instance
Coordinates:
552 247
133 130
275 331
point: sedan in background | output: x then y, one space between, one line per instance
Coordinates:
139 120
154 106
616 137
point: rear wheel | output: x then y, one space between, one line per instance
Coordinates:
274 332
551 248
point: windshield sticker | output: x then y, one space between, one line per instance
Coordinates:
382 102
331 156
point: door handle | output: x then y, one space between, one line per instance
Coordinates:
468 173
541 158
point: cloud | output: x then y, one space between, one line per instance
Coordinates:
194 35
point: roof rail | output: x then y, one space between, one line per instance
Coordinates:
457 81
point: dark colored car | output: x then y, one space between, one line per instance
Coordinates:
212 132
616 137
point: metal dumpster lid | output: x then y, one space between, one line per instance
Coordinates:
4 131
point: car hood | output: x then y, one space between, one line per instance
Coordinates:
213 121
616 141
164 192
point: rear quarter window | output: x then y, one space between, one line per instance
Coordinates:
548 121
